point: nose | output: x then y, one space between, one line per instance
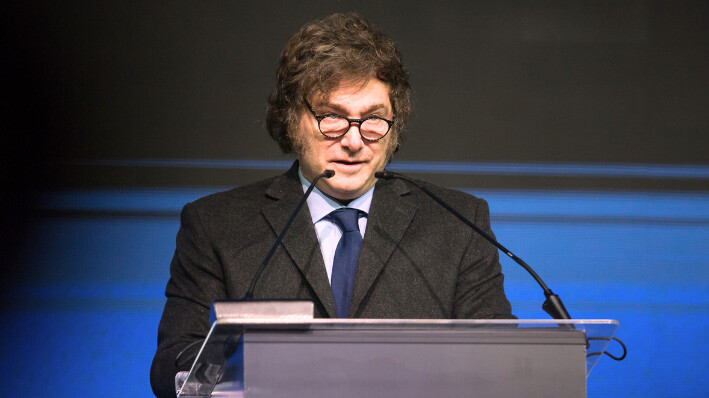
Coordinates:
352 140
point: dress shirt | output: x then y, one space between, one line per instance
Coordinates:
329 233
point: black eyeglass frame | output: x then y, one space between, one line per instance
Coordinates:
350 121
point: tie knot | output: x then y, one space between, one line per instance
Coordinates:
346 218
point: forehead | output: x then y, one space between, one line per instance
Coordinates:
356 95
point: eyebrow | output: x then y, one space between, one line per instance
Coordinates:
339 109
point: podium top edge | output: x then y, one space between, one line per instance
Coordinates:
413 322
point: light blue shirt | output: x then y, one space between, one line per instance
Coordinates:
328 233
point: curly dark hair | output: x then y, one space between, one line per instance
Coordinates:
323 54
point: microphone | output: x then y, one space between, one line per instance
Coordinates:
247 307
250 292
552 305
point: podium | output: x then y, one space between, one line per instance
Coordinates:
286 356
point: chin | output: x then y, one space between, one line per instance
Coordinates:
345 191
343 194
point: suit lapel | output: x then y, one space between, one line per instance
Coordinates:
300 242
387 221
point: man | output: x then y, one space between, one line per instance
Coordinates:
340 103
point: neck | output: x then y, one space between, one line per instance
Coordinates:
343 202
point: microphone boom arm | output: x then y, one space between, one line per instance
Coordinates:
250 292
552 305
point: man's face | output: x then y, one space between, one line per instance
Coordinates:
353 159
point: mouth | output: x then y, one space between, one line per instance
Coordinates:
348 164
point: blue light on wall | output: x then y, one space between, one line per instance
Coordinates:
83 320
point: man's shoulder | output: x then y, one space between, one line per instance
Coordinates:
252 192
399 195
240 200
451 196
256 192
449 193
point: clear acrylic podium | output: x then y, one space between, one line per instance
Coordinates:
300 357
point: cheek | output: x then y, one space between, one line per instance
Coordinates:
386 150
314 151
301 138
392 142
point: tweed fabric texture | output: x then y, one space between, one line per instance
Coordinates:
416 261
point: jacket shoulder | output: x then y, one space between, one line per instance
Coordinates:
236 199
459 200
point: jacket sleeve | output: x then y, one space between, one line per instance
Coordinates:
480 292
196 279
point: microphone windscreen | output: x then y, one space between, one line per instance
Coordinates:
328 173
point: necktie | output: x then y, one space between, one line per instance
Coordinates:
346 257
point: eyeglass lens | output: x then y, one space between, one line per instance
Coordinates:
372 129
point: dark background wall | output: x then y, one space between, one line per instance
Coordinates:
583 123
510 81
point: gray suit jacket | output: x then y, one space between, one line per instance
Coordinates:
416 261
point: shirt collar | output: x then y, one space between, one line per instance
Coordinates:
321 205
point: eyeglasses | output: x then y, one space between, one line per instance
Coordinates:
335 126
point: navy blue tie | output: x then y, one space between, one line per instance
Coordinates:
346 256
